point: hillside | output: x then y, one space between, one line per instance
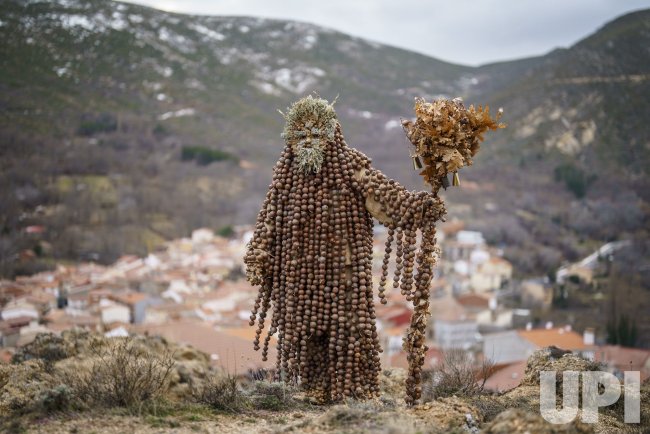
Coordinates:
574 161
122 126
77 382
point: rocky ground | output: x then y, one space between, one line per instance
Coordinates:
67 385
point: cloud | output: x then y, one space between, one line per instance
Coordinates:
470 32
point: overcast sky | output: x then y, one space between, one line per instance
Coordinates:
470 32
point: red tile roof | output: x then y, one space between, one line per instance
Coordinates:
506 377
400 318
452 227
560 337
15 323
129 298
432 356
447 309
625 358
473 301
235 354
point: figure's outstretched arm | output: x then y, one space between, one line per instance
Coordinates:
395 206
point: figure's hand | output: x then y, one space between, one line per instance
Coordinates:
434 209
256 261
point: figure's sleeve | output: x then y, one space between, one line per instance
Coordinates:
393 205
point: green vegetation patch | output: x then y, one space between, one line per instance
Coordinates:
575 179
226 231
204 156
95 124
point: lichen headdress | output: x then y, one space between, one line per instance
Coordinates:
310 124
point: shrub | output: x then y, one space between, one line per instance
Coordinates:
226 231
341 416
102 123
574 178
47 347
22 385
59 398
220 393
205 156
457 375
124 374
275 396
623 331
159 130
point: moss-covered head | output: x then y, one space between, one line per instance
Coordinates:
310 124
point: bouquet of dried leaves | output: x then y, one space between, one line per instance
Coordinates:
446 136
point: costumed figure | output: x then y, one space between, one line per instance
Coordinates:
311 252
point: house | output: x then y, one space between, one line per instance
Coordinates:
510 350
506 347
202 235
400 317
536 293
499 318
451 227
584 269
12 290
59 320
561 337
451 326
619 359
470 238
486 312
517 345
392 339
456 333
491 275
96 295
19 308
78 302
577 271
29 332
111 312
474 303
10 329
168 311
42 301
462 247
179 286
137 302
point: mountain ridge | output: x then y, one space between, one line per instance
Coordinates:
95 138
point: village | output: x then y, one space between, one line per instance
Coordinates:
193 291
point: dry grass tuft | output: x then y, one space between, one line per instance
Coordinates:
220 392
457 375
124 373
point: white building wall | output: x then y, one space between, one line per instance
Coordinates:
19 311
455 334
116 313
506 347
